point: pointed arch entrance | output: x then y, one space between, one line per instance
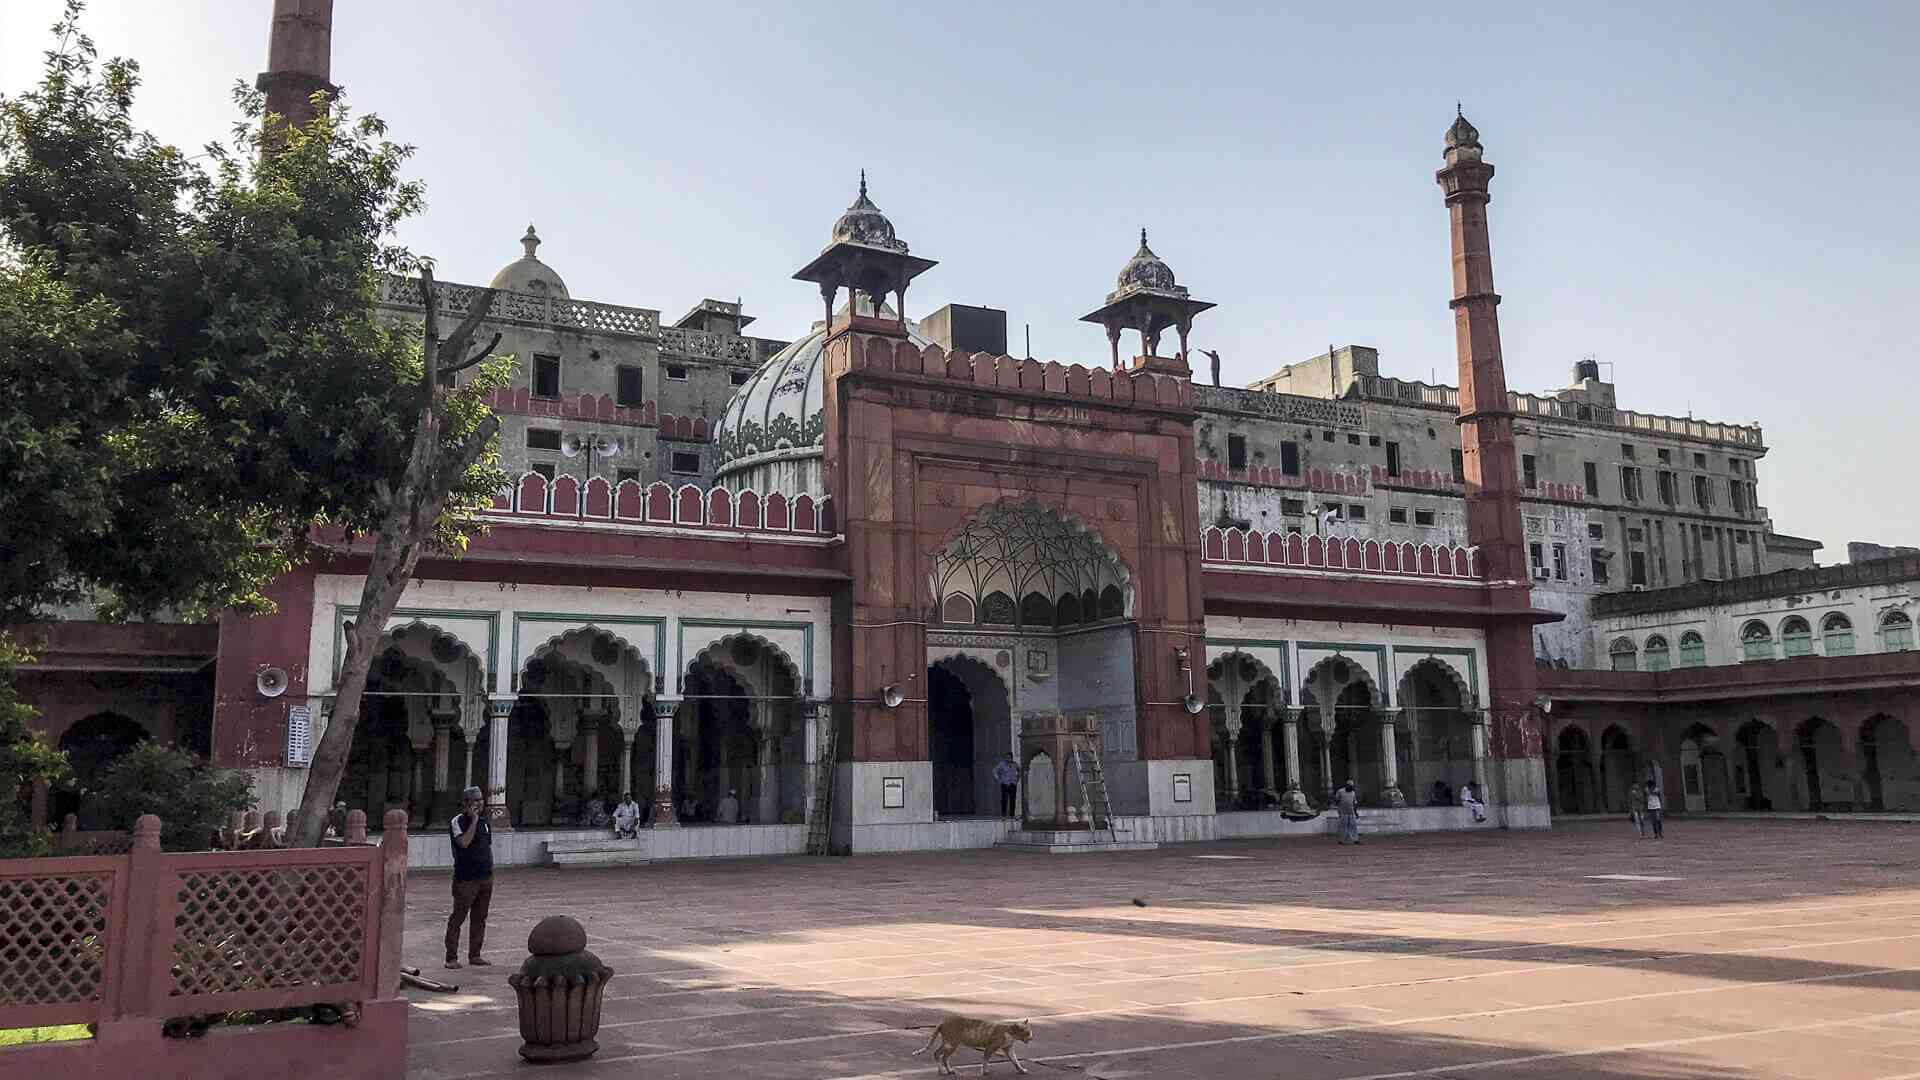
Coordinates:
740 737
576 730
1889 764
969 729
423 689
1344 703
1438 707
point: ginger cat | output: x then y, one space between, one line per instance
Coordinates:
990 1037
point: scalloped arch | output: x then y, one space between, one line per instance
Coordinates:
1361 675
713 653
466 650
560 638
1467 696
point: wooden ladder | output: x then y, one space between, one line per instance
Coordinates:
820 825
1093 784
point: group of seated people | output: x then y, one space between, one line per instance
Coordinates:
627 816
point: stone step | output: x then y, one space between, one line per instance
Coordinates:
1071 841
598 852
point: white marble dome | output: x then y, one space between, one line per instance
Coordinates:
528 274
771 434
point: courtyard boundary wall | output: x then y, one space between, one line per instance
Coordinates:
124 943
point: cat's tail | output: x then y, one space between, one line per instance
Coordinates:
934 1038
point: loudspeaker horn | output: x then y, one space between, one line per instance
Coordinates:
891 695
270 681
572 445
1194 705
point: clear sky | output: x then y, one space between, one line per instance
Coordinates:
1720 200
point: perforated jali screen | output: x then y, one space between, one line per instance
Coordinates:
53 938
264 929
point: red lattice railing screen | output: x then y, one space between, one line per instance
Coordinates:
53 942
267 929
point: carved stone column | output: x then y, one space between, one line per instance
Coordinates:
1326 753
1477 743
420 738
562 724
1290 746
443 748
590 768
1232 725
473 720
1270 782
629 730
1390 761
500 710
766 809
663 812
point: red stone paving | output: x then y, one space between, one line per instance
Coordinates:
1782 949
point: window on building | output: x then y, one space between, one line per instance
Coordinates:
1896 631
1397 515
1693 650
621 476
1636 534
546 376
1756 641
739 378
1796 637
1423 517
1537 556
1290 458
1353 438
1737 493
544 468
630 390
1699 461
1703 493
1596 530
677 372
1326 436
1623 655
1356 512
1630 483
1293 507
543 439
1599 567
1836 635
1393 459
1560 562
1529 472
1459 467
685 461
1669 488
1626 451
1665 456
1236 451
1373 440
1658 659
1637 568
1593 480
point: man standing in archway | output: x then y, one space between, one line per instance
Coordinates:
1008 775
472 877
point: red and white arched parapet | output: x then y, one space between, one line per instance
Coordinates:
565 500
1344 555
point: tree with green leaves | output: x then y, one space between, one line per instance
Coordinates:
207 394
25 759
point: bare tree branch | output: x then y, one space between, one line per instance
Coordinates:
475 359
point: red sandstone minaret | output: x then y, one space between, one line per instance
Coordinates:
1493 481
299 58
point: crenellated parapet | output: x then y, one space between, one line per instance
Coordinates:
874 353
1293 551
567 499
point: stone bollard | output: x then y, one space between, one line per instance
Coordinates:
559 988
356 826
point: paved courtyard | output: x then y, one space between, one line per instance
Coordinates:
1731 949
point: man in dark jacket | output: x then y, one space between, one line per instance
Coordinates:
472 877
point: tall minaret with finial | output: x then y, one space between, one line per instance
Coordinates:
299 58
1492 473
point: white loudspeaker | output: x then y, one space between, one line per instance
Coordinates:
270 681
1194 705
891 696
572 445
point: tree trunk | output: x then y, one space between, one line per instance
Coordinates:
413 510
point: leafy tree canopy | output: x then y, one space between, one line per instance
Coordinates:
191 797
197 376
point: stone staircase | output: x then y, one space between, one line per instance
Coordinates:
1071 841
599 852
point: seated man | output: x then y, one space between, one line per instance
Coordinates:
689 809
1470 799
626 817
729 811
1294 806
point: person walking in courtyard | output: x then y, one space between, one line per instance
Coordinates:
1470 798
1007 774
1347 801
472 877
1656 810
1637 808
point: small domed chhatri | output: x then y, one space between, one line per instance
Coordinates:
1146 271
528 274
864 224
1463 140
